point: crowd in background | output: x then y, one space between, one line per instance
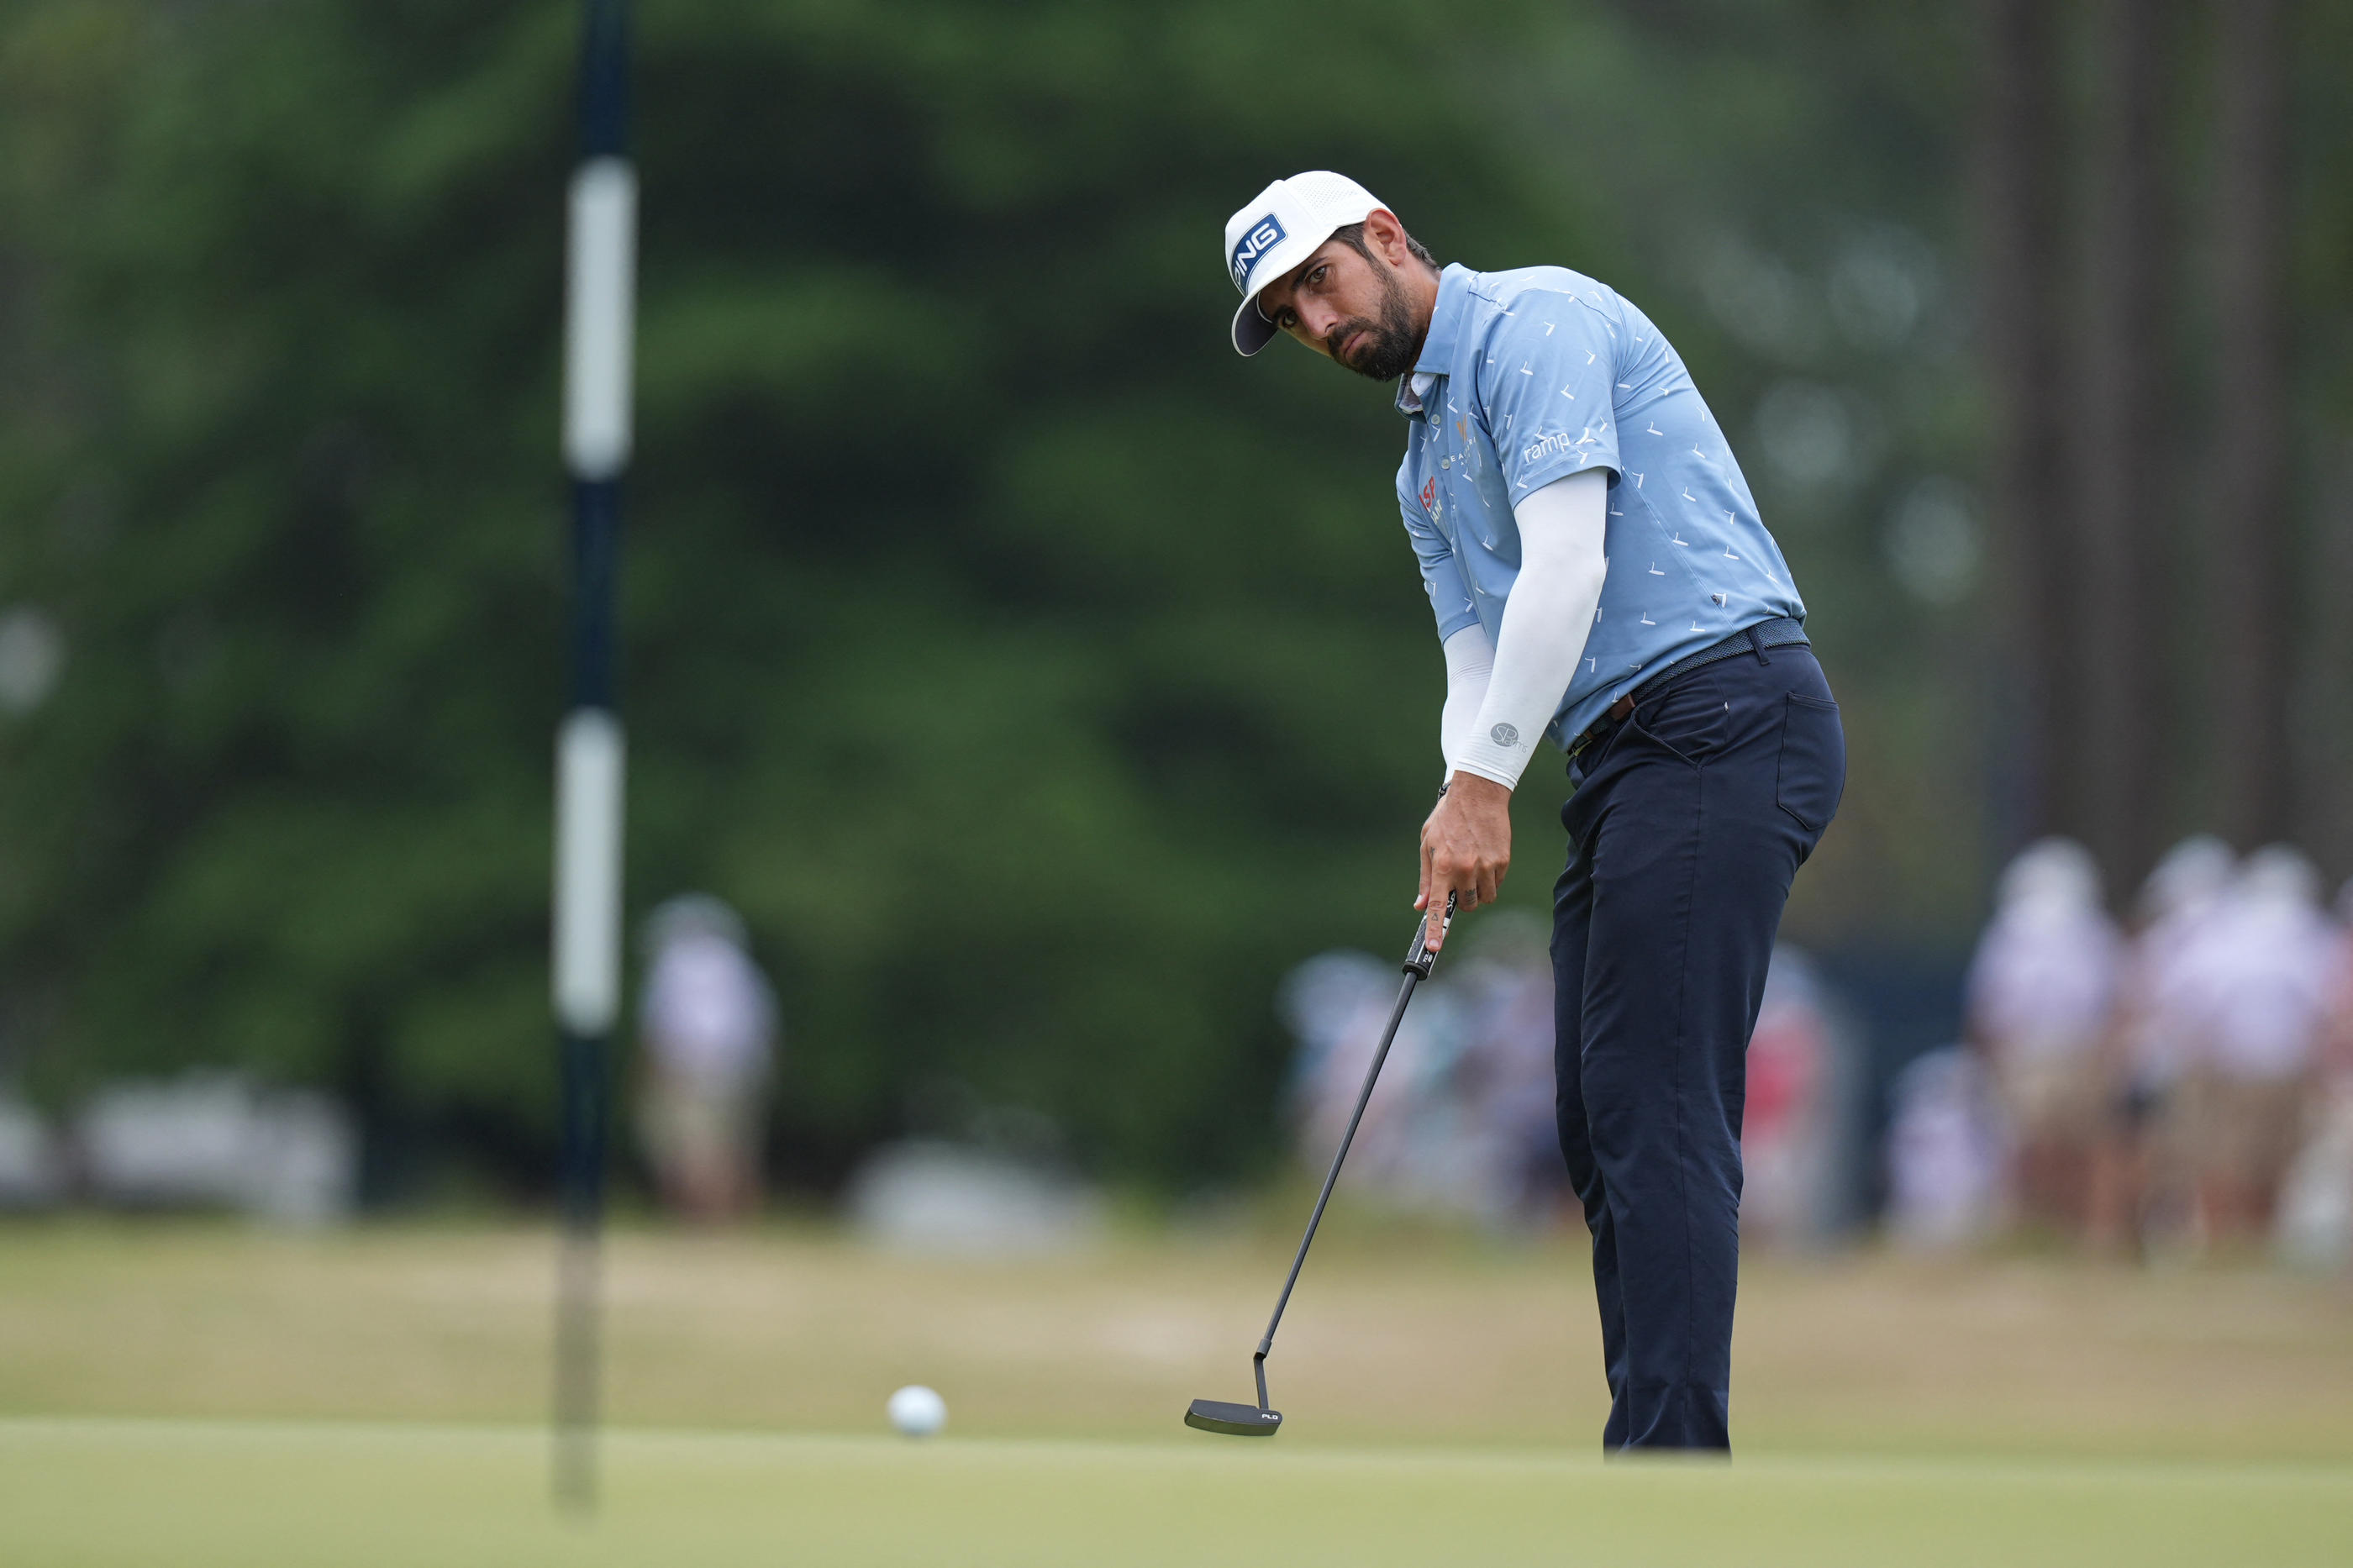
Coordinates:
2162 1086
2179 1082
1462 1121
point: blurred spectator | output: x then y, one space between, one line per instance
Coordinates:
707 1021
1506 1068
1463 1121
1417 1145
1335 1006
2336 1039
2258 980
1944 1150
1788 1144
2315 1229
2145 1187
2040 994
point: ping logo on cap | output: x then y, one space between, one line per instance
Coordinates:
1256 241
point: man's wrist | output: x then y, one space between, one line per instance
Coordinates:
1476 786
1483 758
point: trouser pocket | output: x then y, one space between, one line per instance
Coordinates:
1813 771
1688 719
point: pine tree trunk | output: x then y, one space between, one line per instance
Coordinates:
2254 603
2019 225
2127 488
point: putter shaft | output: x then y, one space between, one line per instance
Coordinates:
1417 961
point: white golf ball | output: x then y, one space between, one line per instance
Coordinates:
918 1411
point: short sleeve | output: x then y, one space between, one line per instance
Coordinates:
1442 575
1548 384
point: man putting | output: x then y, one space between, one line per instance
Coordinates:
1600 577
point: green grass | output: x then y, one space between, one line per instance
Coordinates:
198 1393
796 1330
94 1494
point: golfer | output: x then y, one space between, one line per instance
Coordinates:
1600 578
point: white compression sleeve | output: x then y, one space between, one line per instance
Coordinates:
1470 660
1562 530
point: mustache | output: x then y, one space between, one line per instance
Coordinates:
1339 334
1391 339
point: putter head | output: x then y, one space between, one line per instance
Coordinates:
1233 1420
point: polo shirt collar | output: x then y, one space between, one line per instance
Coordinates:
1438 345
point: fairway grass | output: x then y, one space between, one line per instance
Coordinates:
103 1493
800 1330
195 1395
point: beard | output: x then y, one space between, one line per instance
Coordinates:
1386 348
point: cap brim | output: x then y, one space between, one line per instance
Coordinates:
1252 330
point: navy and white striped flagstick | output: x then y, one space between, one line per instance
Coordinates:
599 329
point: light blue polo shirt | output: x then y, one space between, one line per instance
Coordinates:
1528 376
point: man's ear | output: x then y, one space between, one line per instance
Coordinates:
1386 237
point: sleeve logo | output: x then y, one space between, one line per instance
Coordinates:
1256 241
1504 734
1558 441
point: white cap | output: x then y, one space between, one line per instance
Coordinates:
1278 228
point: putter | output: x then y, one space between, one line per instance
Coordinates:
1260 1420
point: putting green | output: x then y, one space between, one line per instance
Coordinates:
87 1493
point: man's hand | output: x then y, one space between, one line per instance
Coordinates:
1466 847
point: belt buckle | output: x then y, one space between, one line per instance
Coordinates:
1616 713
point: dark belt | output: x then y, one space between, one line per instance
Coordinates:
1779 632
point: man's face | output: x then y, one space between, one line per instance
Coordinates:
1347 306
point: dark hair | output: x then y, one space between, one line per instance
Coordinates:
1353 237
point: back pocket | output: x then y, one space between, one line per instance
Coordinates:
1814 761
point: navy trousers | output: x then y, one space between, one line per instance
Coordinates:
1686 824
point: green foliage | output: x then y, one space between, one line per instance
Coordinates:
1040 681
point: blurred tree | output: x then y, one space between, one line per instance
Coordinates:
1003 653
286 279
2126 490
1040 681
2256 606
2021 177
2319 308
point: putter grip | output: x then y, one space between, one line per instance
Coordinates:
1418 958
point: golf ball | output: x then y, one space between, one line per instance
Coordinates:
918 1411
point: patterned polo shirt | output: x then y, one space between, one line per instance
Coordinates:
1531 375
